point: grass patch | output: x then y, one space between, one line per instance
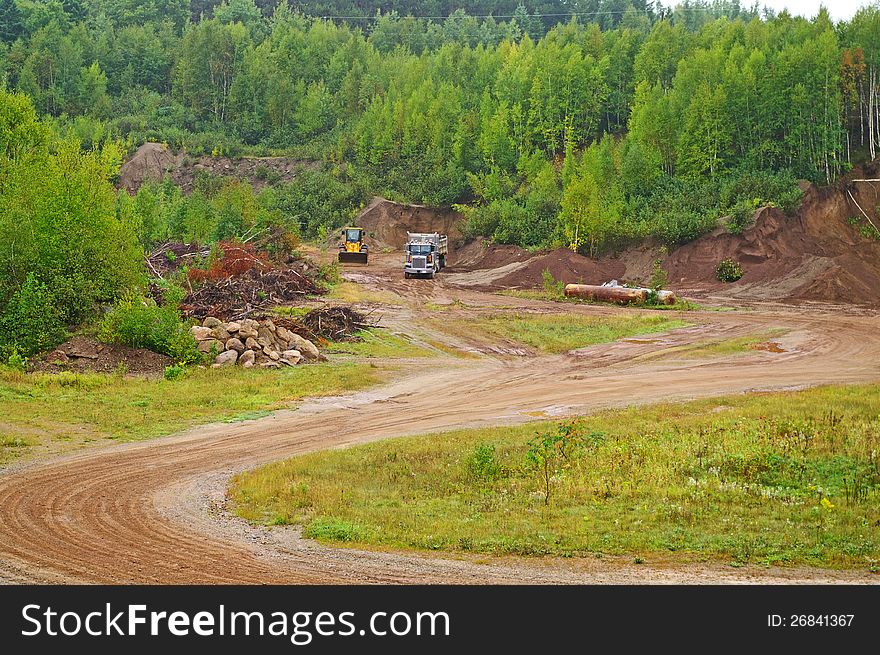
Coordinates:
12 447
726 347
72 408
352 292
552 295
559 333
781 478
378 343
445 307
295 312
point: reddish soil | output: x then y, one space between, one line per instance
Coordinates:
814 255
565 266
86 355
480 253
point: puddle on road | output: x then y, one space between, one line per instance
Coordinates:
642 340
553 411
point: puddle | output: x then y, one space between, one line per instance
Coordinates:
769 346
552 411
641 340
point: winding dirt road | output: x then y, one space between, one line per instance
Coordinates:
152 512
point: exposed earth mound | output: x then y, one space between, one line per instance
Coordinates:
84 354
817 254
387 223
564 265
481 253
152 161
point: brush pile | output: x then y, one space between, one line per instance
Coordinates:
233 281
253 291
329 324
171 256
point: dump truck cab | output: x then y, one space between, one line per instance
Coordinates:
425 254
352 249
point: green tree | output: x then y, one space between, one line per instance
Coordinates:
592 203
58 218
11 21
211 56
30 321
706 135
658 58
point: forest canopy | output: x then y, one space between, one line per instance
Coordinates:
587 123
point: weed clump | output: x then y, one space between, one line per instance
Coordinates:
141 323
728 270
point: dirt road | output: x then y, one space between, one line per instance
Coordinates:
152 512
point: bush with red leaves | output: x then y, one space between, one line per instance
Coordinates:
235 259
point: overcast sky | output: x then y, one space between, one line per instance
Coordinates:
839 9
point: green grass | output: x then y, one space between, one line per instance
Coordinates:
12 447
351 292
56 412
290 311
445 307
782 478
725 347
559 333
378 343
553 295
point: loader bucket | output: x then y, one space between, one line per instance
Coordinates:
352 257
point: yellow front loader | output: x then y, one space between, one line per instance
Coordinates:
353 250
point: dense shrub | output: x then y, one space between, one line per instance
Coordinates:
483 463
174 372
316 204
31 322
760 188
58 216
728 270
741 216
140 323
508 221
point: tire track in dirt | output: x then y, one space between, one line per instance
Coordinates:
147 512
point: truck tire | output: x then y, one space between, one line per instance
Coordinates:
442 262
407 276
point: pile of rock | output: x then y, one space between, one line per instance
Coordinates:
253 343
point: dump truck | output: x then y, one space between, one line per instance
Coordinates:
352 249
425 254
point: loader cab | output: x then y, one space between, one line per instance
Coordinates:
353 235
352 249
